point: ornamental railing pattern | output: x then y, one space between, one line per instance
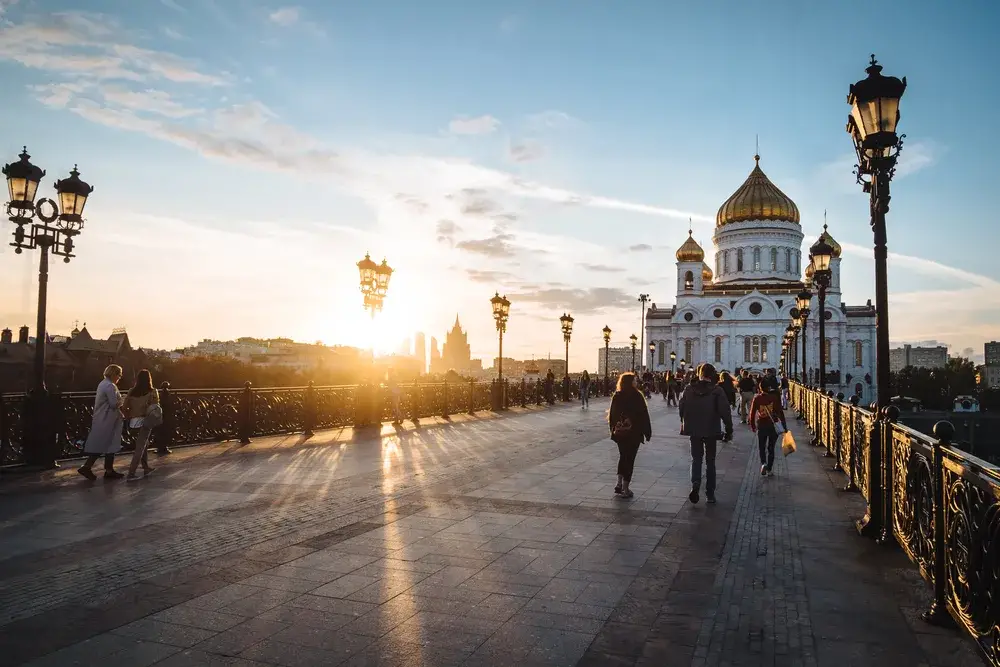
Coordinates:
197 416
938 503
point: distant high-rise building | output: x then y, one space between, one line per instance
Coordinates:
918 357
435 356
993 353
619 360
456 354
420 350
404 348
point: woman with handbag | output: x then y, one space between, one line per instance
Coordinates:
767 420
629 422
105 437
142 408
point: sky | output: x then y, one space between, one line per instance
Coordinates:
246 154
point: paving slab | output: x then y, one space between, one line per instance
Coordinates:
485 540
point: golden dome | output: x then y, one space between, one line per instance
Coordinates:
757 199
830 240
706 273
690 251
810 271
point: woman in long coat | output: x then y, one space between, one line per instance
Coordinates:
105 437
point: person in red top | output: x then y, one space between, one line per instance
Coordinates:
765 415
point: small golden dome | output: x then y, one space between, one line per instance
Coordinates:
757 199
810 271
830 240
706 273
690 251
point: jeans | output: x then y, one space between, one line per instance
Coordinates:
703 448
109 461
139 455
585 398
626 459
767 437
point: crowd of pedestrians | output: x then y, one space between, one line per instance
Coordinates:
706 401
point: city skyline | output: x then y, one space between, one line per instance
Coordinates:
560 178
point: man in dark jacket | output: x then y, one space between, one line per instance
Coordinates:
703 409
748 389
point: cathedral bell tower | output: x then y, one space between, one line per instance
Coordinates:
691 267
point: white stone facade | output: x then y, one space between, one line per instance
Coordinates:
735 316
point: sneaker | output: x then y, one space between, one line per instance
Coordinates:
710 499
769 471
693 496
628 494
88 473
618 489
763 471
146 472
131 478
112 474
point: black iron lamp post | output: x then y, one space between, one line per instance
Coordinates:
501 312
820 255
673 358
50 228
566 322
374 283
790 336
872 125
607 359
634 340
804 299
643 298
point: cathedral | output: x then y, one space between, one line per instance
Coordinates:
735 314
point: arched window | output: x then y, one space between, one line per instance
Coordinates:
756 259
829 352
689 352
774 259
739 259
798 257
756 350
725 261
747 353
788 260
763 348
718 349
660 355
858 356
689 281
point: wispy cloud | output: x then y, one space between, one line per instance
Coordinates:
173 34
640 247
172 4
915 156
484 124
286 16
526 151
552 119
5 5
602 268
509 24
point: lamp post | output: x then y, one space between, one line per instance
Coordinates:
634 339
872 125
34 228
566 322
820 254
501 312
607 358
794 361
652 349
643 298
374 283
804 299
673 358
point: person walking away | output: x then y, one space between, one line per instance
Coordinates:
703 409
585 391
729 388
105 437
748 389
138 401
767 420
628 419
784 391
671 390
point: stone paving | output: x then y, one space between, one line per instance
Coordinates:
484 541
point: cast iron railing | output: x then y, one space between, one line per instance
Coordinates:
938 503
197 416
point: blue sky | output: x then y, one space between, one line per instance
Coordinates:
245 154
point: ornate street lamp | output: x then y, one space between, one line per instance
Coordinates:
652 348
872 125
673 358
566 322
374 283
501 311
643 298
50 228
804 299
634 340
820 255
607 358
